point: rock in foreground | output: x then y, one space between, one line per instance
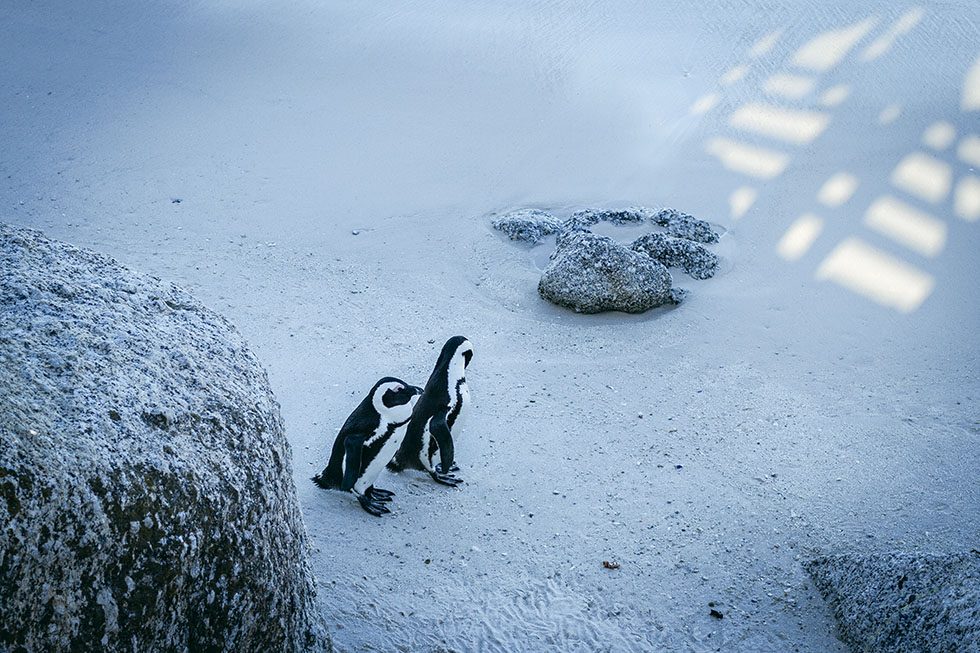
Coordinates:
903 603
146 495
526 225
591 274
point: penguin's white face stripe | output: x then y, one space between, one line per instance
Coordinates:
398 413
457 366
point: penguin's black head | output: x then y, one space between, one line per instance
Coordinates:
456 346
395 392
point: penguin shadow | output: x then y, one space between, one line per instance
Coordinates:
511 277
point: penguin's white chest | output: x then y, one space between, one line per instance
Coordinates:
387 452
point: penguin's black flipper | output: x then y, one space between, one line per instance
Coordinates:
353 446
371 507
440 431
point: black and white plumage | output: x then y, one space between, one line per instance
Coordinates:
368 440
430 431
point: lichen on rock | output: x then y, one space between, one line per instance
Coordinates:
591 274
683 225
695 259
146 492
527 225
903 602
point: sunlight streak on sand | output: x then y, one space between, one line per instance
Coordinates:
837 190
889 114
966 202
906 225
971 88
884 43
741 200
748 159
799 237
969 150
835 95
876 275
734 75
822 53
924 176
790 125
705 103
765 44
793 87
939 135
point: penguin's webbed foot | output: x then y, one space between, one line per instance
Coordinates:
445 479
380 494
372 507
454 468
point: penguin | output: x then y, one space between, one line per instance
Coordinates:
368 440
430 429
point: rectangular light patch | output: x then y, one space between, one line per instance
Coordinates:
877 276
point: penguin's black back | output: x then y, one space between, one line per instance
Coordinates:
364 420
435 397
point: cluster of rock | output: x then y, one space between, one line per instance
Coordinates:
903 602
590 273
146 490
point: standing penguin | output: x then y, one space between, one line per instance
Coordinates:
430 430
368 440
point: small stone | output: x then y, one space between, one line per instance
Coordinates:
527 225
686 226
695 259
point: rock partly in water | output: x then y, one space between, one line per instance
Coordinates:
585 219
591 274
146 490
695 259
527 225
683 225
615 216
903 602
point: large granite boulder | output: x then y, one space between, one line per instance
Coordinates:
903 602
146 496
591 274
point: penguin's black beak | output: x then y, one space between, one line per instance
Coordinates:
416 390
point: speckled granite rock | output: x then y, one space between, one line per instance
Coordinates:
695 259
591 274
146 495
585 219
902 602
615 216
526 225
683 225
